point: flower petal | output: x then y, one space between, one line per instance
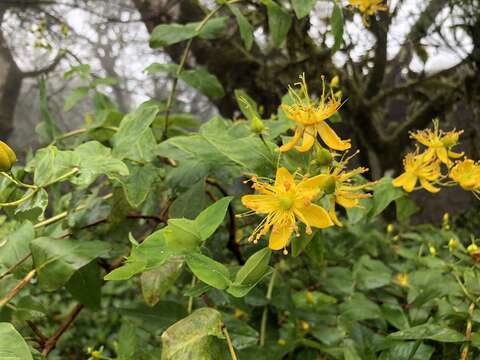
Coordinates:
406 180
331 138
260 203
280 237
308 140
293 141
333 214
346 202
283 179
428 186
314 215
443 155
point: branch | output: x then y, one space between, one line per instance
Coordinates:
52 66
380 30
20 285
52 341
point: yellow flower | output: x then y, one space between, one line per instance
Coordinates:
467 174
402 279
284 202
368 7
438 143
310 116
344 192
417 168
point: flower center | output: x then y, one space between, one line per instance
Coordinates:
286 202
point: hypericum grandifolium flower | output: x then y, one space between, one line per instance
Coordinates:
285 201
310 117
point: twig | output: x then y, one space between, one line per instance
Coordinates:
468 332
38 333
52 341
14 266
229 342
20 285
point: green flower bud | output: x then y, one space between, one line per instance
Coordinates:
329 185
7 157
324 157
472 248
257 125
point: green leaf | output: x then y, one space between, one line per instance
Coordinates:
182 235
127 270
337 27
134 139
28 308
429 332
34 208
12 345
127 341
51 164
157 318
246 29
197 337
212 217
139 183
395 315
190 203
250 274
383 194
85 285
156 282
77 95
169 34
208 270
15 246
170 69
204 82
57 260
213 28
405 208
243 335
279 22
303 7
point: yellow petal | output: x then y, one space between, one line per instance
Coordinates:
455 155
260 203
283 179
428 186
314 182
279 237
330 138
333 214
308 140
314 215
293 141
406 180
346 202
443 155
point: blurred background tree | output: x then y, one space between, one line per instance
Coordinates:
407 65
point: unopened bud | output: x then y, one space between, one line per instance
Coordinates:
329 185
390 228
324 157
432 250
7 157
335 81
257 125
472 248
304 326
452 244
309 297
402 279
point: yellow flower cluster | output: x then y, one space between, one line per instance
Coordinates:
292 197
434 166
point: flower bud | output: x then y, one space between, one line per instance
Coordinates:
472 248
335 81
402 279
432 250
257 125
7 157
329 185
452 244
304 326
309 297
324 157
390 228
